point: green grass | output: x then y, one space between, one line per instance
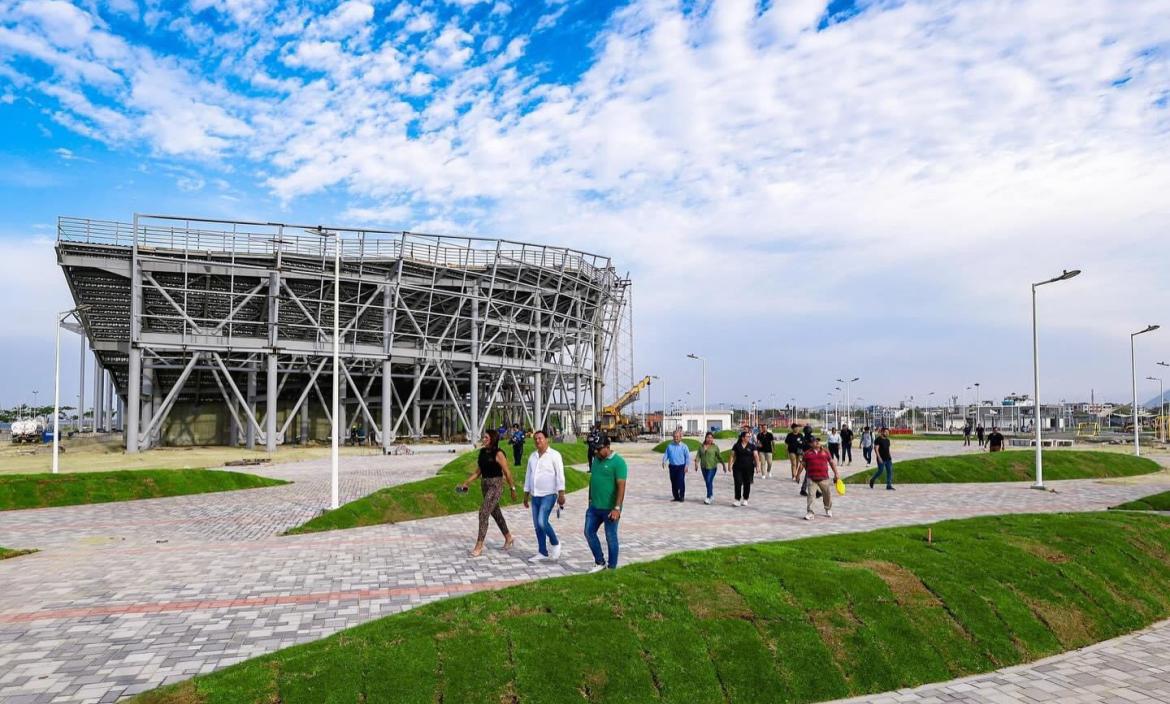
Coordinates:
1015 466
436 496
689 442
1155 502
6 553
727 434
22 491
801 621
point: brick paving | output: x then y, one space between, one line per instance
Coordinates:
125 597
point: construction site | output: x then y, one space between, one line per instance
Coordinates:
216 332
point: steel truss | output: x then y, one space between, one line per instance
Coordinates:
435 331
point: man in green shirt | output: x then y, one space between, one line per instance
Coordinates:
607 490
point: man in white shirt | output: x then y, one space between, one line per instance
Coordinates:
544 484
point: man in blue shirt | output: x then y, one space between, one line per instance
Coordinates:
677 458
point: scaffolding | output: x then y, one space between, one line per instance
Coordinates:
437 333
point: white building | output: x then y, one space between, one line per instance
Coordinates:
691 422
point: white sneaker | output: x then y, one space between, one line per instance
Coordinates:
809 516
707 500
538 558
555 552
828 513
735 503
596 568
744 502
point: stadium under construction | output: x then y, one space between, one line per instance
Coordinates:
221 332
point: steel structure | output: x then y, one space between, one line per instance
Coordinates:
437 332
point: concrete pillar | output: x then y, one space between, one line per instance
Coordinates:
109 396
342 419
133 402
270 402
415 409
249 429
305 425
99 403
387 407
147 404
81 388
233 427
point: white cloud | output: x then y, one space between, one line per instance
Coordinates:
64 24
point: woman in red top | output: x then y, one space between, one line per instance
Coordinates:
818 462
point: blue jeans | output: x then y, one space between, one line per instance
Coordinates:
542 506
709 478
594 519
886 466
678 481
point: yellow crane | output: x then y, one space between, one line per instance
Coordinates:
615 424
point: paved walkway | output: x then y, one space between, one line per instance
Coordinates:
129 596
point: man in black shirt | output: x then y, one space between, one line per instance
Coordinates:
979 434
885 461
995 440
792 442
764 444
847 444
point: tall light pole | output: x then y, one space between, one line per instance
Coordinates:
978 406
1161 400
1137 447
848 403
928 410
703 360
1064 276
1162 408
57 384
662 424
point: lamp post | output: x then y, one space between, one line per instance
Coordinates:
1162 408
978 406
703 360
662 424
848 403
928 395
1137 447
57 385
1064 276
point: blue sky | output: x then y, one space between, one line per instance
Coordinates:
801 189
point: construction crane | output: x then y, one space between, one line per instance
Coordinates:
615 424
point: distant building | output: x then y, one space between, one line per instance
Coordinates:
691 422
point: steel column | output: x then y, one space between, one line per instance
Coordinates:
270 403
250 430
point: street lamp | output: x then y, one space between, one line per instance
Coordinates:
703 360
848 404
57 383
978 406
662 424
1064 276
928 395
1137 448
1161 400
1162 408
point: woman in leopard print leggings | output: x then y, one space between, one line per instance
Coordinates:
492 469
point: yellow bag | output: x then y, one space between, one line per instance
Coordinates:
840 487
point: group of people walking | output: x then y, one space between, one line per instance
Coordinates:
811 464
993 441
544 491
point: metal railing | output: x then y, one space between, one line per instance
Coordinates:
267 239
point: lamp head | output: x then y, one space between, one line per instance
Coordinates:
1149 328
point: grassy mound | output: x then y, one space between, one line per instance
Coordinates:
21 491
800 621
6 553
727 435
1155 502
436 495
1014 467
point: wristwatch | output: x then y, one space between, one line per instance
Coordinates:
617 508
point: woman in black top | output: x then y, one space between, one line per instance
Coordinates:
492 470
744 460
